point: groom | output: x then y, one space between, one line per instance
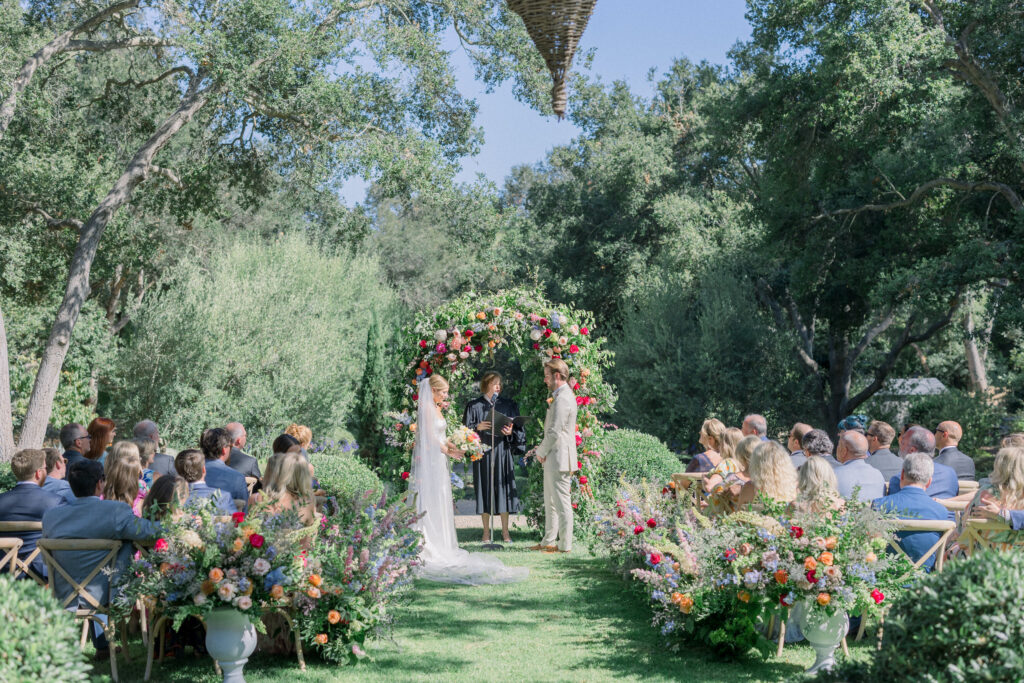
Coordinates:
557 453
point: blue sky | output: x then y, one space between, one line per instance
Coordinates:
629 37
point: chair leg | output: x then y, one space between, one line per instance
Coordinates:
846 648
298 648
85 632
160 623
860 629
782 637
110 631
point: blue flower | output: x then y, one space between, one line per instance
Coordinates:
668 628
658 595
277 576
243 584
271 552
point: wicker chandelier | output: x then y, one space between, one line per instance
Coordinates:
555 27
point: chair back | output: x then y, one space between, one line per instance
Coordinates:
9 548
688 484
21 566
968 486
957 507
945 530
982 534
250 483
79 589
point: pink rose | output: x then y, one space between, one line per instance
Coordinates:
161 545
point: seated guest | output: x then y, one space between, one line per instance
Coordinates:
123 476
852 423
817 444
917 439
880 435
76 441
239 460
728 465
755 425
1003 497
796 436
733 482
28 502
818 488
147 456
302 434
271 480
56 469
216 445
947 438
101 436
711 433
286 443
857 479
911 501
162 463
294 489
166 499
1014 440
191 466
772 475
90 517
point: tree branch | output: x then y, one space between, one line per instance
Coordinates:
166 173
51 222
109 45
803 349
985 186
113 82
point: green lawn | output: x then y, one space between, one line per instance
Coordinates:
573 620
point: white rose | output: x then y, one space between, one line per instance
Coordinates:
261 566
562 341
451 356
191 539
463 355
244 602
440 335
199 599
535 335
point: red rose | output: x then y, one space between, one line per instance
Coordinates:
637 530
423 343
651 523
579 465
479 348
238 517
877 596
468 334
573 348
622 513
796 532
812 576
161 545
547 333
581 400
405 475
579 440
256 541
583 479
730 554
415 397
576 387
555 355
575 506
543 322
664 490
536 346
584 331
655 558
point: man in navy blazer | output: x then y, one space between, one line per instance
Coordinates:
913 502
880 436
216 445
947 440
27 501
239 460
56 470
76 441
944 482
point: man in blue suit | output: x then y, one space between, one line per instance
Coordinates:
944 482
90 517
216 445
913 502
56 470
27 501
76 441
191 467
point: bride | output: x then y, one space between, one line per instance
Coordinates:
430 484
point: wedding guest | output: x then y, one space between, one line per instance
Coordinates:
286 443
497 466
271 480
947 438
857 479
147 456
880 436
162 464
917 439
123 476
239 460
818 488
1003 496
191 466
728 465
294 490
56 468
911 501
90 517
726 489
302 434
28 502
216 445
711 433
1014 440
76 441
796 436
772 475
854 423
817 444
166 499
755 425
101 432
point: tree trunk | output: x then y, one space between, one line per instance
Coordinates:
6 418
40 404
975 363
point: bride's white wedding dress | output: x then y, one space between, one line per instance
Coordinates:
442 558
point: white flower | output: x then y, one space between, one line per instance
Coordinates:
260 567
535 335
244 602
199 599
575 329
440 335
463 355
563 341
191 539
451 356
226 591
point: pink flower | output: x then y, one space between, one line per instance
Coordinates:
161 545
256 541
583 479
441 348
579 440
584 331
573 348
878 596
581 400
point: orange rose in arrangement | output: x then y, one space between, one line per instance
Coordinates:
481 316
810 564
743 596
685 604
208 587
321 638
333 617
676 597
871 557
216 575
831 542
313 593
826 558
781 576
824 599
237 545
315 580
276 592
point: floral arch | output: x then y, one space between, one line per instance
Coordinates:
460 338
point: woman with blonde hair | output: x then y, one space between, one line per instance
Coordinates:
294 489
1005 490
729 465
270 486
772 475
123 476
711 433
302 434
818 488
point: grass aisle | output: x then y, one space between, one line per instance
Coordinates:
572 620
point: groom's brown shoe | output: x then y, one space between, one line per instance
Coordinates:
545 548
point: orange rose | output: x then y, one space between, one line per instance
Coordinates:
781 576
870 557
321 638
831 542
491 344
481 316
237 545
412 428
276 592
497 311
685 604
826 558
208 587
743 596
675 566
216 575
492 327
333 617
315 580
810 564
824 599
676 597
313 593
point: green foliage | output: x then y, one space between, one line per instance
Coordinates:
633 456
7 480
266 334
372 398
978 417
965 623
344 475
38 639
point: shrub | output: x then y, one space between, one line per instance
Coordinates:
38 639
344 475
964 624
7 480
634 456
979 419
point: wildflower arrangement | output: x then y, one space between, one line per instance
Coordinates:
204 561
466 439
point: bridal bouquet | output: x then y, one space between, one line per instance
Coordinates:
466 439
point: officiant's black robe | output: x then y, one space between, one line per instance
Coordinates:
507 450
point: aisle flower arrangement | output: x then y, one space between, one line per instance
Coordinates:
720 582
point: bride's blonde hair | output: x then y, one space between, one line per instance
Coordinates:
437 382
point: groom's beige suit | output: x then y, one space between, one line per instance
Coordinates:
559 452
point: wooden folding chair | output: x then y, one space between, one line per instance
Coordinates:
23 566
80 590
957 507
982 534
10 548
250 483
967 486
690 483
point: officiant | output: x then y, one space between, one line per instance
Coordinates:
509 445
